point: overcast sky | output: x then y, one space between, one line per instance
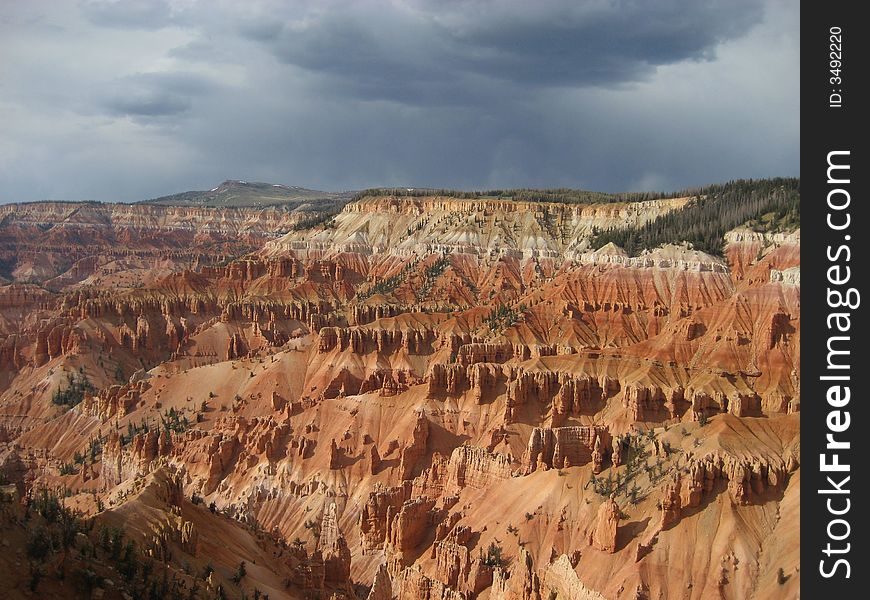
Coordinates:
133 99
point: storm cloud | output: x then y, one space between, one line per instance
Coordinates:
121 101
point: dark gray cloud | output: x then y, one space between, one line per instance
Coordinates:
412 56
568 43
156 94
127 100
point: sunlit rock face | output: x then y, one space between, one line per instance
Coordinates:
422 398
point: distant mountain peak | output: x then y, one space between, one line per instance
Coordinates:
233 193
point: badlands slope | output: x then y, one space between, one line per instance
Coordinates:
424 398
63 244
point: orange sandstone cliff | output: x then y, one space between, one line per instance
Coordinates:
424 399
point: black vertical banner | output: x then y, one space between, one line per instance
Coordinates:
835 248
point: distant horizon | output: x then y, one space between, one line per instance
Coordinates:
387 187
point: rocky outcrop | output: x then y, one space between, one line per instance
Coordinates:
11 353
407 527
455 567
364 314
791 276
446 379
561 577
669 257
470 354
467 466
412 583
361 340
138 457
334 549
388 382
606 525
382 587
115 401
416 448
568 393
475 467
671 503
659 404
309 573
359 228
563 447
479 380
377 514
173 530
26 297
452 563
654 403
344 383
56 338
521 582
747 479
236 346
